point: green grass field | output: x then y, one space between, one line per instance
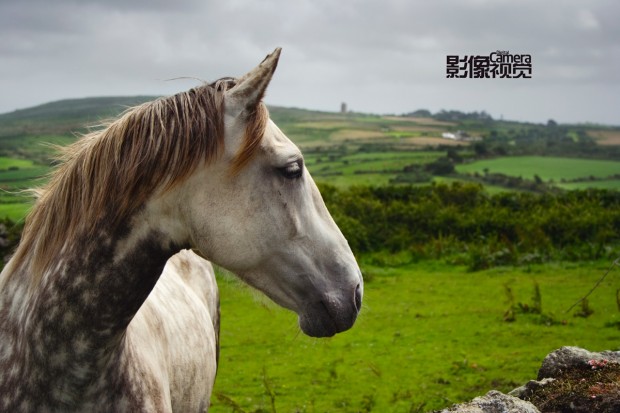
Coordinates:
15 176
613 184
365 168
547 168
429 335
7 163
378 168
14 207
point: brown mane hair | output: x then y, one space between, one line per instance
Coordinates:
107 175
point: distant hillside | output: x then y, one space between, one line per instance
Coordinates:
65 116
352 149
86 107
68 116
23 131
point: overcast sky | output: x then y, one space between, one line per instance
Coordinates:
378 56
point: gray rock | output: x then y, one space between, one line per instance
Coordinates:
553 366
567 358
493 402
528 389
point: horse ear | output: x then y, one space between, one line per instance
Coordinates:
250 88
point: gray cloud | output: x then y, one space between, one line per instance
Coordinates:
378 55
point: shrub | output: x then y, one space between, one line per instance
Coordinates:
435 221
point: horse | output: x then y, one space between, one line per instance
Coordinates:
87 320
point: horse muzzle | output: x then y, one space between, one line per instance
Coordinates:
332 314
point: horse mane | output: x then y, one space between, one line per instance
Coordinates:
107 175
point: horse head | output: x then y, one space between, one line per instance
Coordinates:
256 211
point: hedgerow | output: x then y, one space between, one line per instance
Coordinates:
462 220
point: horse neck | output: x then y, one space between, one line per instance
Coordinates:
60 335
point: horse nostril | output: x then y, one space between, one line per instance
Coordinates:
358 298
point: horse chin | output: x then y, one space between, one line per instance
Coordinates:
315 327
320 321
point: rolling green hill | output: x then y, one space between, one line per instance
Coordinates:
69 113
346 149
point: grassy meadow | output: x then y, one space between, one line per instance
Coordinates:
15 176
547 168
363 168
431 333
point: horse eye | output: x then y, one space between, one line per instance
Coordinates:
293 170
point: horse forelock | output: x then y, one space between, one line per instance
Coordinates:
107 175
